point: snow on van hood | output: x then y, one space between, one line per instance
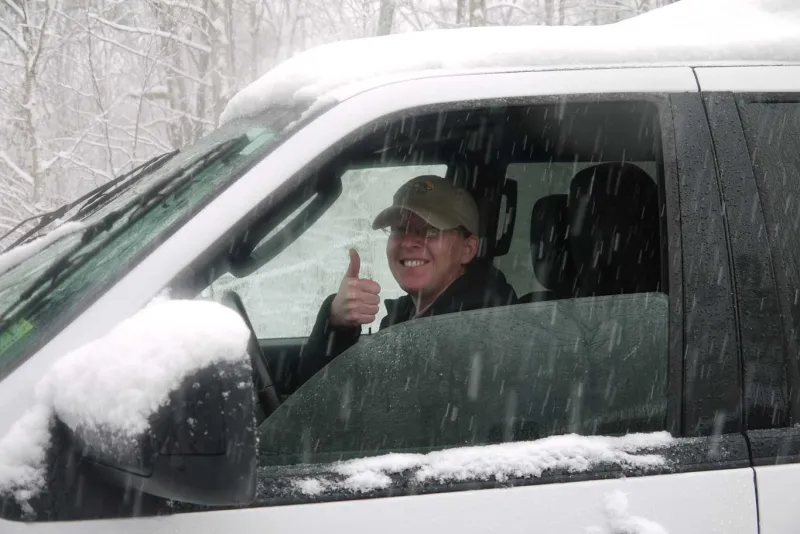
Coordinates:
119 380
690 31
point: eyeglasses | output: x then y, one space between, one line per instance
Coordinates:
421 232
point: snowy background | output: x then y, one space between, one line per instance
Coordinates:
314 271
91 88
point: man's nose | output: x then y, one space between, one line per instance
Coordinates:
412 240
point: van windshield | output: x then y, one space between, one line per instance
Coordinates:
41 291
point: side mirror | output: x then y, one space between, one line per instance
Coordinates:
199 448
160 411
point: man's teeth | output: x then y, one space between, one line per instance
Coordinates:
412 263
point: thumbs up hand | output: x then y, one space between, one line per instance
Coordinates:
357 300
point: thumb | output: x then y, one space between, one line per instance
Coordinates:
355 264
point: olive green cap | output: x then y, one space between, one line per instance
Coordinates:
439 202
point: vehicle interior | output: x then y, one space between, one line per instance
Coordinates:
571 212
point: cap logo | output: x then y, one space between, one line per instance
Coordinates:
420 188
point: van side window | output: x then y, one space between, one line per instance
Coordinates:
583 349
282 297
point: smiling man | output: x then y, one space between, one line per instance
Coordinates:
433 240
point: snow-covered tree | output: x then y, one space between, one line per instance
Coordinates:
92 88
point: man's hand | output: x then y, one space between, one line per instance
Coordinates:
357 301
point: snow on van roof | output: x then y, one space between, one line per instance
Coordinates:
688 32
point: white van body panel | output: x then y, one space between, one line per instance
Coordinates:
713 502
778 502
752 79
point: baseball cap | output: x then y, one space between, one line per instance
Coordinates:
436 200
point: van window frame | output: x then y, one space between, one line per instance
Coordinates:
685 409
206 267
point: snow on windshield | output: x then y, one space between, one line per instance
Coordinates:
689 31
20 253
619 519
571 453
118 381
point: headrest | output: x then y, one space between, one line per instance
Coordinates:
614 230
549 247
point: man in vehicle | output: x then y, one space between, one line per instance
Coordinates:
433 240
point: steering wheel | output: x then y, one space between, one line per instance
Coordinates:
262 372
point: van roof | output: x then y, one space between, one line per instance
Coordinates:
687 33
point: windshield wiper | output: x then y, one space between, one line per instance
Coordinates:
102 198
175 183
94 199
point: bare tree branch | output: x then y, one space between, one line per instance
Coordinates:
146 31
10 63
14 39
15 8
190 7
179 72
17 170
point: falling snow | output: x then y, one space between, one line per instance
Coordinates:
120 380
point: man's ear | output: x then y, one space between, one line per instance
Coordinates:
470 249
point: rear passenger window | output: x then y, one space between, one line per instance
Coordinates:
538 263
772 130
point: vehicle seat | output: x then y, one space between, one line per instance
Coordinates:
552 264
614 230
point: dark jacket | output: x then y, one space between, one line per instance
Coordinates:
479 287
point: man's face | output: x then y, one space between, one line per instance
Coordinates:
424 260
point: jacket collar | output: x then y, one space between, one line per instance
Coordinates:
461 295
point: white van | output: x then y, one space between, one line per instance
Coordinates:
644 379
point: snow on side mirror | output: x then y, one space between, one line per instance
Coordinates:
198 448
164 404
161 407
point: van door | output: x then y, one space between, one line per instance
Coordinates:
755 118
605 399
489 382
